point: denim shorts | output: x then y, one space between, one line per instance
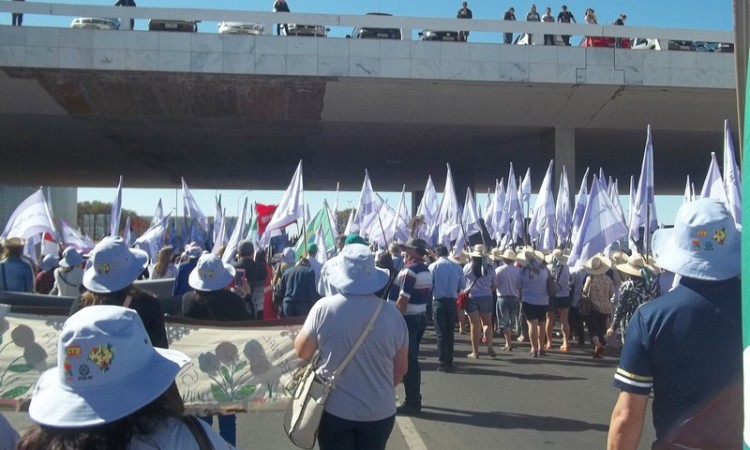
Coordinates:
534 312
483 305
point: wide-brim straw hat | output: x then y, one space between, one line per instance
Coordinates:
478 251
507 254
557 254
597 265
618 257
527 254
635 265
14 242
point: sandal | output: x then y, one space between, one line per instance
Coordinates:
564 347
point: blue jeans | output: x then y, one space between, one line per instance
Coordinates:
227 426
445 317
296 309
341 434
416 324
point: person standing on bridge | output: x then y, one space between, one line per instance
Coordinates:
510 14
687 344
533 16
17 18
549 39
130 3
565 16
281 6
464 13
620 21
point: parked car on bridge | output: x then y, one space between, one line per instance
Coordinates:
604 42
375 33
190 26
296 29
255 29
523 39
438 35
95 23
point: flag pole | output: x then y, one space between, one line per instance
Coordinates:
382 229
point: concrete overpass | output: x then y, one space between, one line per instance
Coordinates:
80 107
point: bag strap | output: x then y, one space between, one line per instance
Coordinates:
198 432
5 283
368 328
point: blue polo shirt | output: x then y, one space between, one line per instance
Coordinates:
447 278
685 345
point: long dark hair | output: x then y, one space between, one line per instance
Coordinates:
89 298
115 435
478 268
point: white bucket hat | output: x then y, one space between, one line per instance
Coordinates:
49 262
106 370
354 271
704 243
70 258
113 266
210 274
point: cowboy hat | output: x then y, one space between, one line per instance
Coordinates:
597 265
478 251
635 266
558 255
527 254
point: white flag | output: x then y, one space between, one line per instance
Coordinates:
644 208
291 206
73 238
351 227
127 234
526 187
399 230
158 214
543 214
428 209
368 202
687 196
152 240
562 209
713 186
30 218
320 241
448 214
470 217
732 182
114 219
239 231
191 207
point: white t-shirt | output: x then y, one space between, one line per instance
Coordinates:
364 390
68 284
172 433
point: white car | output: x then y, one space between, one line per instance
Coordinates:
296 29
95 23
255 29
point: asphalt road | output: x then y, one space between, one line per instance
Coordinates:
559 401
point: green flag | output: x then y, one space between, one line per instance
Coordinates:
322 221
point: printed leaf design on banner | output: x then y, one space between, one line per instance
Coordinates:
244 392
15 392
225 374
241 365
219 394
20 368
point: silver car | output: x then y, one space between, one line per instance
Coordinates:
255 29
95 23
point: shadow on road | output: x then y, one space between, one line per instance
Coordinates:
508 420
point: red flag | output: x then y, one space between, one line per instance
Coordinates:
264 213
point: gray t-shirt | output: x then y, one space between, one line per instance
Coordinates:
364 390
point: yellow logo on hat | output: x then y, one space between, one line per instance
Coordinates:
720 236
73 351
103 268
102 356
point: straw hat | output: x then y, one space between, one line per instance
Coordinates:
478 251
635 265
507 254
618 257
597 265
557 254
527 254
14 242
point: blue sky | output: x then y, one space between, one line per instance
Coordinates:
696 14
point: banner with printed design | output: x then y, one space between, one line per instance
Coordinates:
232 368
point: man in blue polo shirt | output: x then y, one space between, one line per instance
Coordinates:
415 290
687 345
447 281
